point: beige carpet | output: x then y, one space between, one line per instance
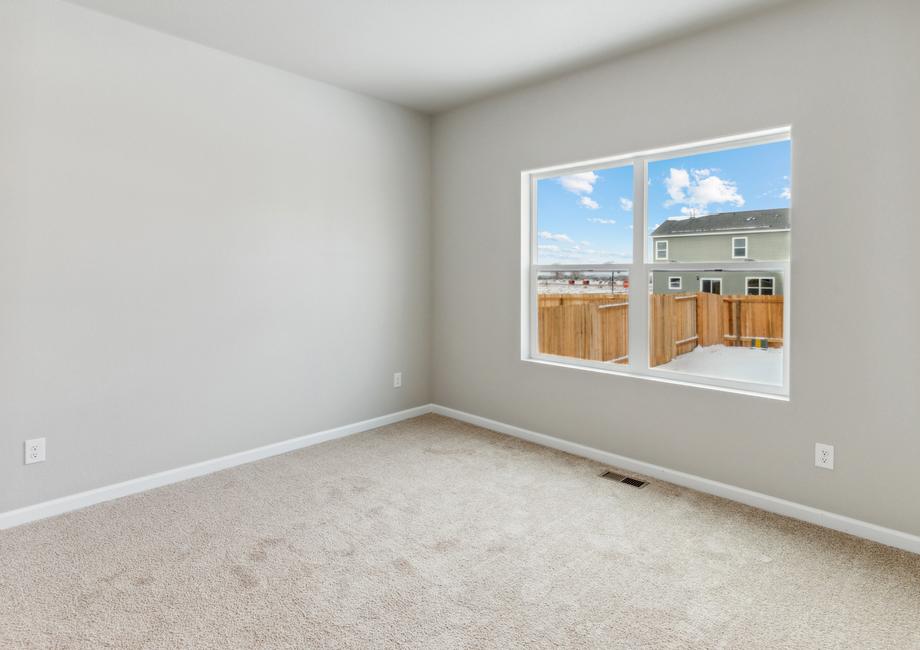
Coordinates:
436 534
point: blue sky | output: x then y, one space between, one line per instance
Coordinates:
587 217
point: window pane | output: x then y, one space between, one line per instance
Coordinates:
707 285
586 218
704 202
733 335
584 314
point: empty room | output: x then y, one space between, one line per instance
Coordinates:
443 324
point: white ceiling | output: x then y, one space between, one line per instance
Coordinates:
426 54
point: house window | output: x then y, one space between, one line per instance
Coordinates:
711 285
739 248
759 286
582 243
599 238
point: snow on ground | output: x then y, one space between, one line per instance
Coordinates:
738 363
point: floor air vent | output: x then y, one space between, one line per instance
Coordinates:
619 478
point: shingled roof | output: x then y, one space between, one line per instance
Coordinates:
777 219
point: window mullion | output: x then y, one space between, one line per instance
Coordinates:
638 274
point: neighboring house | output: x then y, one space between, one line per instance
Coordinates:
753 235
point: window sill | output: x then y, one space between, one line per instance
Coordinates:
655 376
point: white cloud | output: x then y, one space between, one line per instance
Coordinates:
599 220
698 189
700 174
676 184
713 189
545 234
582 183
690 212
582 256
588 202
785 194
563 250
626 204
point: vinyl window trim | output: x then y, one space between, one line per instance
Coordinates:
760 279
735 247
710 280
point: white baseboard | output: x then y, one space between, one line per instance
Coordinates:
108 492
866 530
863 529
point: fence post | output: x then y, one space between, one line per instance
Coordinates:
595 334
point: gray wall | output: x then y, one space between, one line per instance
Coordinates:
769 246
844 74
733 282
198 254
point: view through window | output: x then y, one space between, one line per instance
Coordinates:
713 222
584 241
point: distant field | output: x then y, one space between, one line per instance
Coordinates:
562 286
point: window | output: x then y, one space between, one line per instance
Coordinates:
739 248
759 286
639 264
711 285
583 245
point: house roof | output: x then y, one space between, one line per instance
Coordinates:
776 219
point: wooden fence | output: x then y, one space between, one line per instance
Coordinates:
680 322
747 317
673 327
596 326
585 326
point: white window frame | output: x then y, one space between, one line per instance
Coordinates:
640 270
719 280
740 257
760 279
680 283
667 247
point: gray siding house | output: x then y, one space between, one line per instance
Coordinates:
753 235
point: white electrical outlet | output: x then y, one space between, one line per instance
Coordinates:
397 380
824 456
35 451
